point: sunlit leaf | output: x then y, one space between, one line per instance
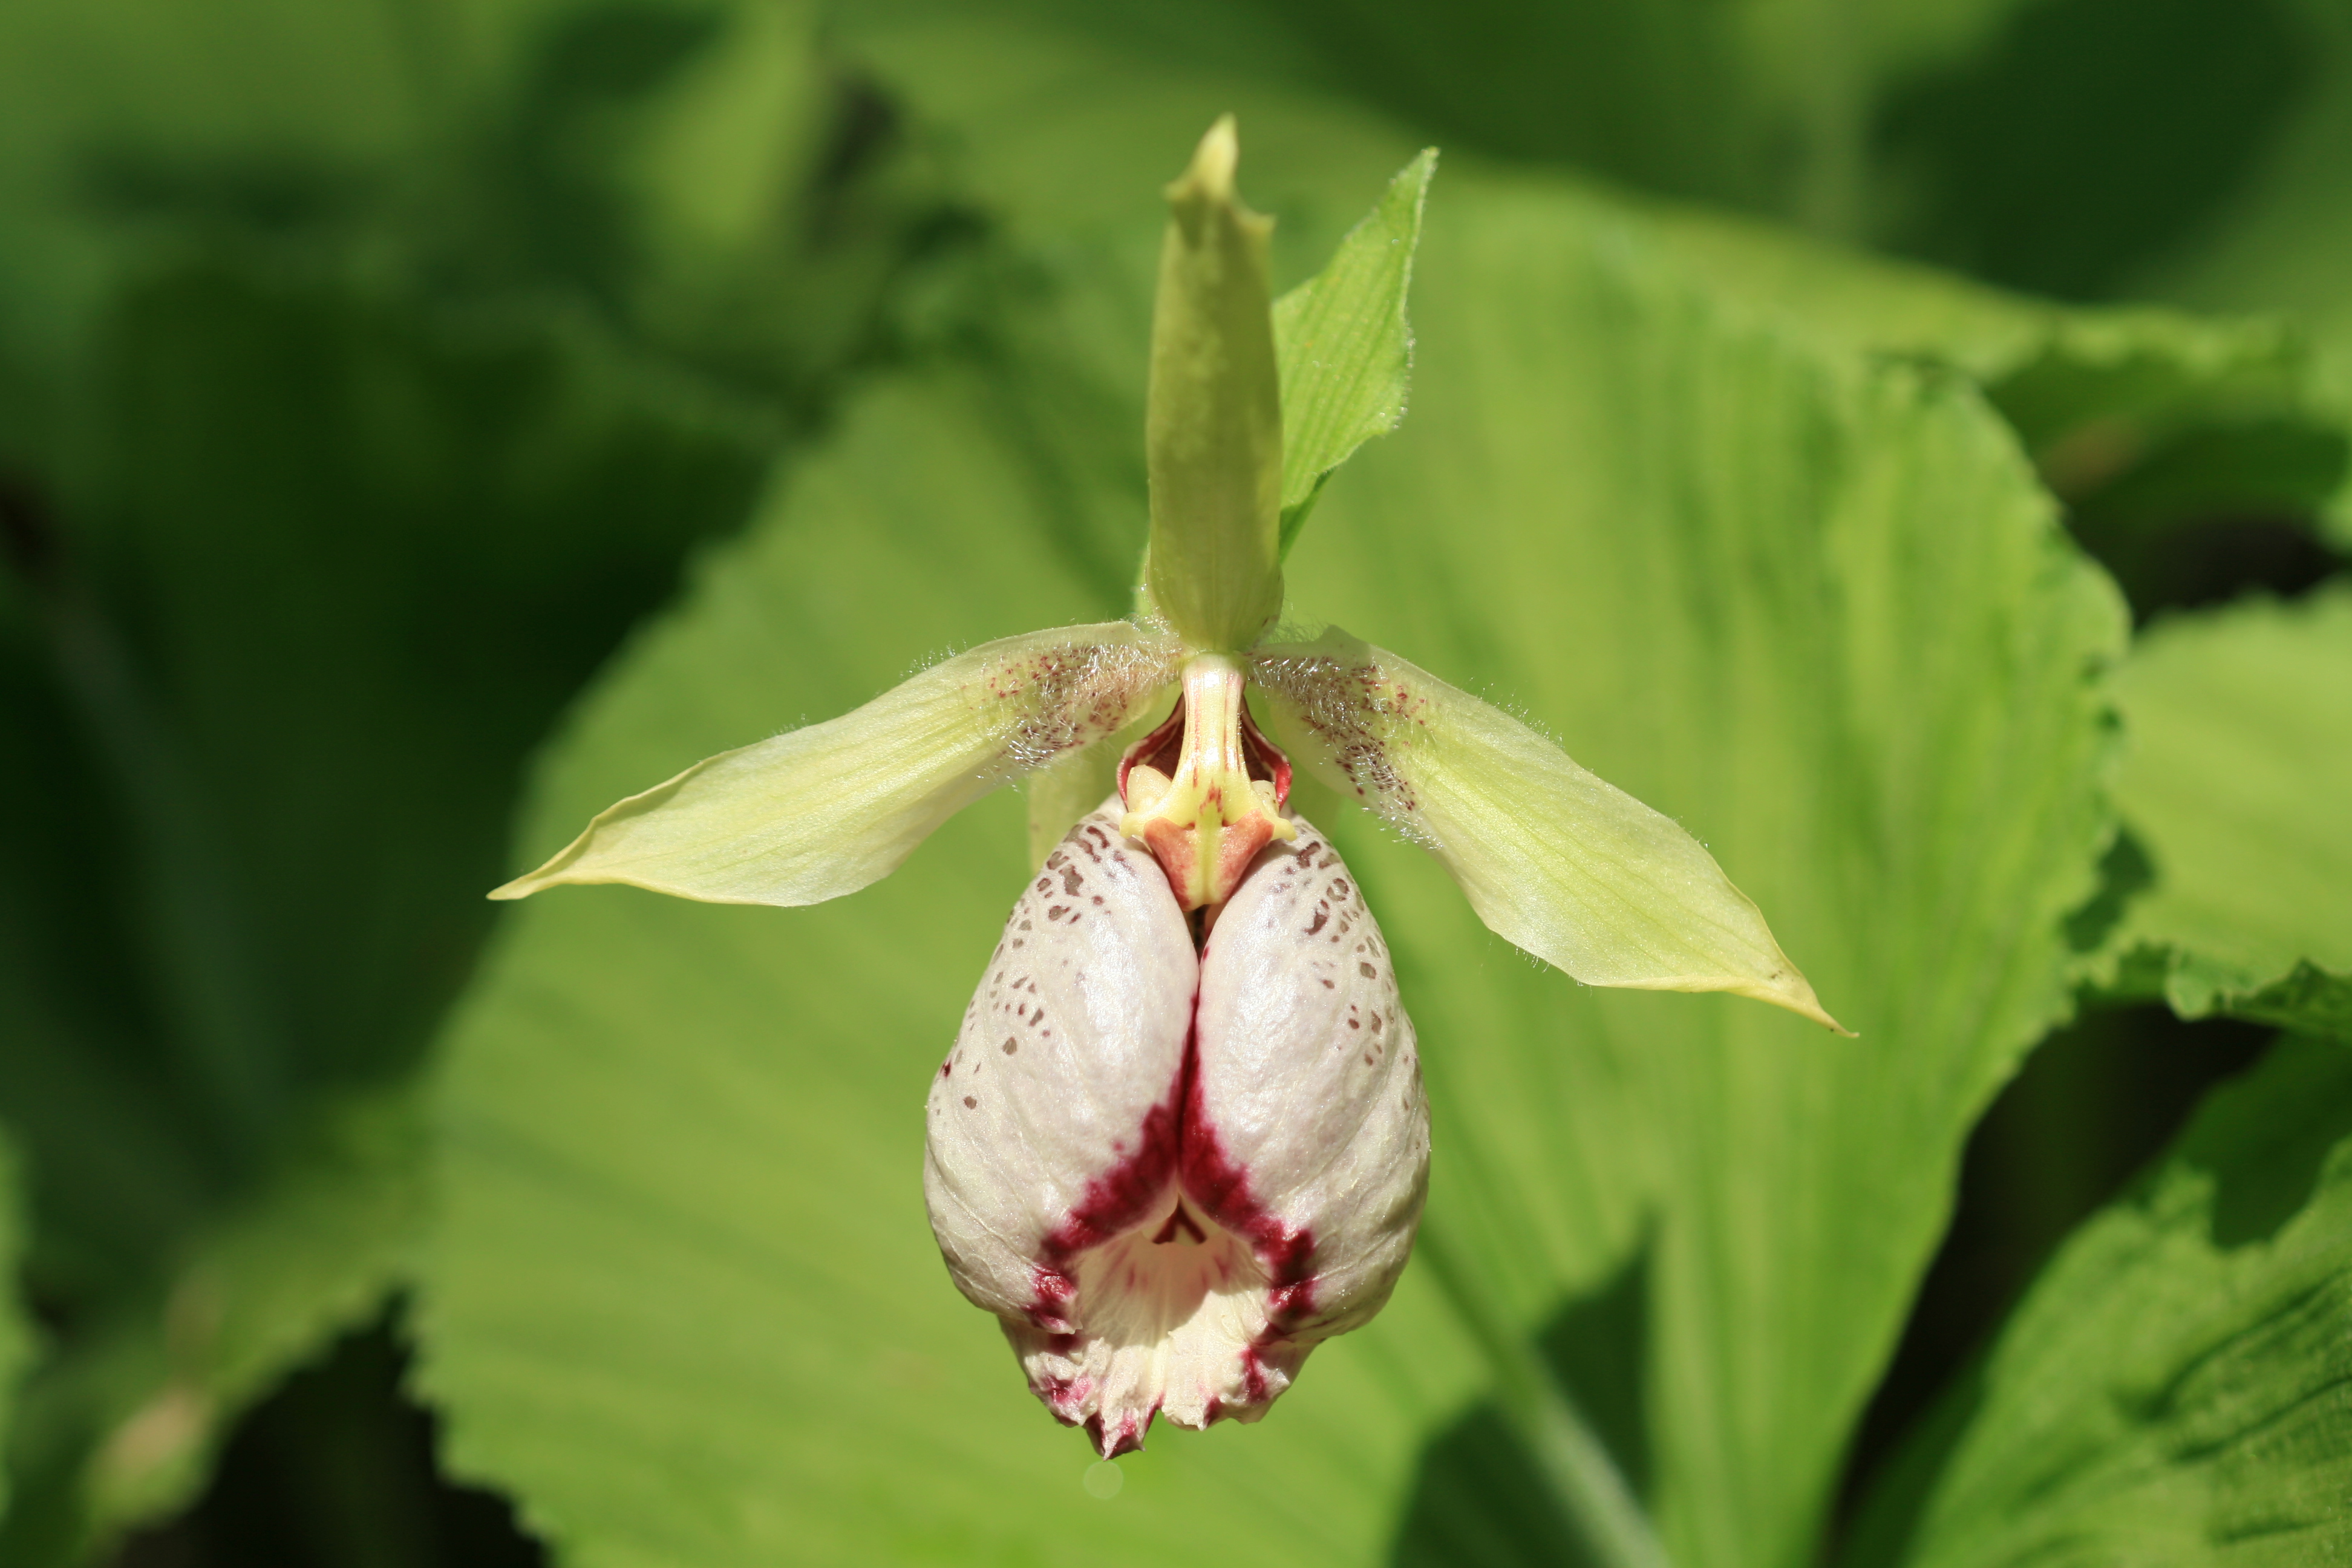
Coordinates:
2233 790
2177 1386
684 1304
1749 600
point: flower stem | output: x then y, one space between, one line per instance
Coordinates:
1583 1480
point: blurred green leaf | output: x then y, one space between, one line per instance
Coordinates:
331 566
16 1335
2233 791
123 1427
686 170
2136 416
2085 138
2174 1388
1345 346
1761 104
1818 611
272 113
2280 246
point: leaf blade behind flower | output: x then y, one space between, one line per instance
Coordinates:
2175 1386
2239 764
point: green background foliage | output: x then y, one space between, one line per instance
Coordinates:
1906 444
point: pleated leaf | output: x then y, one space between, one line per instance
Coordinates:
2233 792
2177 1386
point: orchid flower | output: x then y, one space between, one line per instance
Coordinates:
1180 1137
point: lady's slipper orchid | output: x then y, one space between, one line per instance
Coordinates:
1180 1136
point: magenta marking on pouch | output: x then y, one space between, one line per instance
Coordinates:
1120 1198
1213 1178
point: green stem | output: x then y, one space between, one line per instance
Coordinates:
1584 1480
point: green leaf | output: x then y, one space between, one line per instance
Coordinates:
247 876
2282 247
120 1425
2177 1385
2233 789
16 1332
1816 610
2083 139
1750 601
1345 346
256 110
2136 415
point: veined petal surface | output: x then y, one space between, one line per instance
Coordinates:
1553 858
823 811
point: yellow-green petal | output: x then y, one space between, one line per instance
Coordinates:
824 810
1212 426
1554 860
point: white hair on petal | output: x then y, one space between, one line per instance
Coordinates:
1349 708
1073 695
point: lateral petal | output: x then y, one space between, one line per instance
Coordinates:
824 810
1553 858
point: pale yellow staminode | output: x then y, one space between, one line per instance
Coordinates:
1207 821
